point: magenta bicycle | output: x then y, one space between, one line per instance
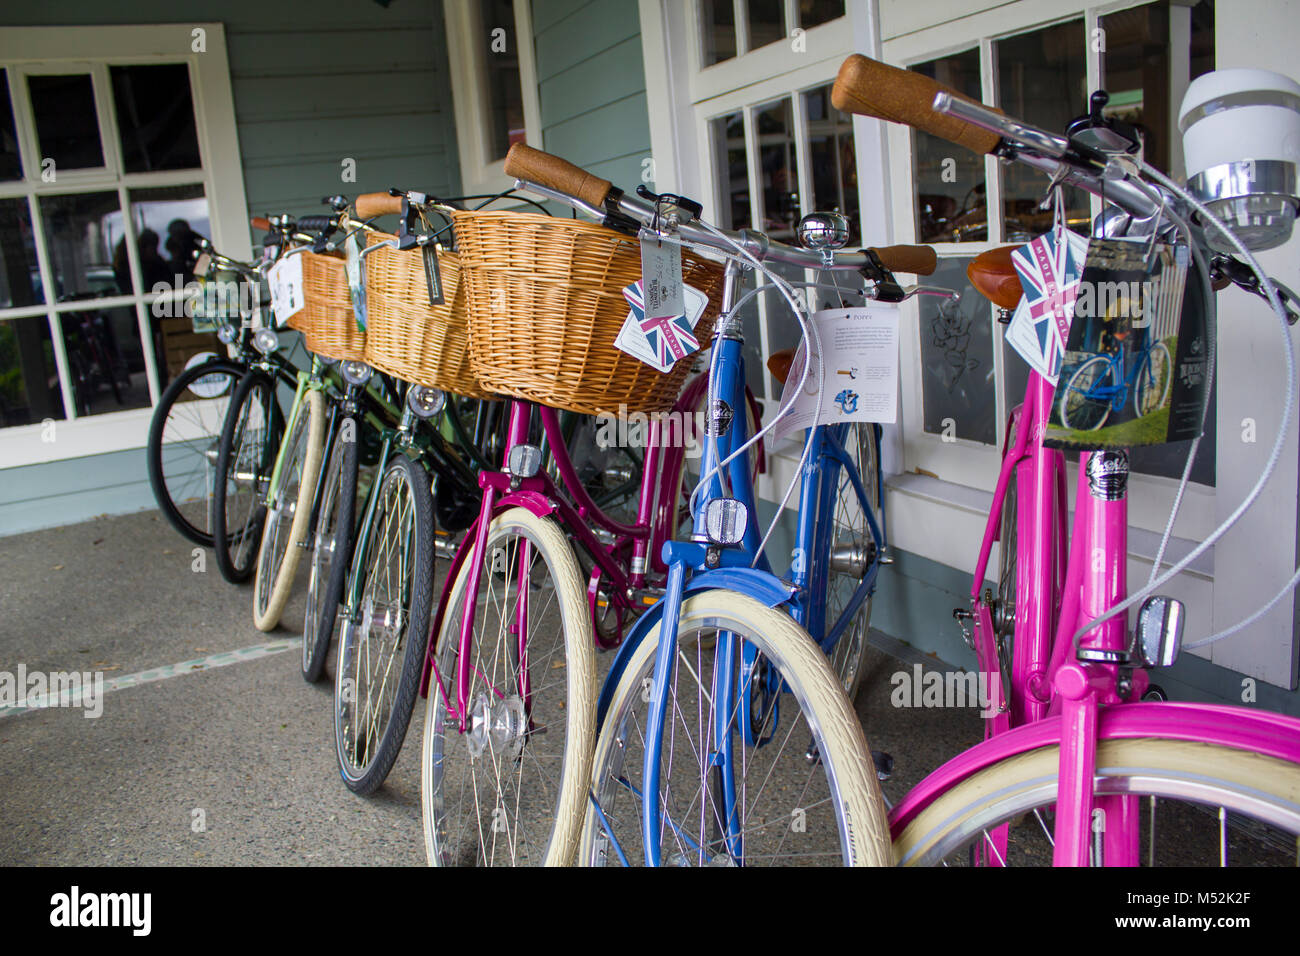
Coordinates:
1076 769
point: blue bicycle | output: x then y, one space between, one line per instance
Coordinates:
719 703
1102 384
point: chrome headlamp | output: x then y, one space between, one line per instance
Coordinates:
1241 141
355 373
424 401
266 341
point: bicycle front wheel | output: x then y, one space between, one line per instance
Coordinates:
382 643
506 785
250 440
1199 803
184 437
288 516
1153 381
853 552
331 550
806 795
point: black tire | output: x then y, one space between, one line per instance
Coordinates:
332 549
235 537
365 759
182 495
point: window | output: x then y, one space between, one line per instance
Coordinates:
1040 75
105 185
729 28
494 82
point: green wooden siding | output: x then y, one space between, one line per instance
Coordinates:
313 83
591 85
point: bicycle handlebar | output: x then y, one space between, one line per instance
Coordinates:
370 205
536 166
563 181
260 223
871 88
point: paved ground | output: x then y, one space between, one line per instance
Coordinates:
233 764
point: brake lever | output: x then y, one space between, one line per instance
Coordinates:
911 290
1244 278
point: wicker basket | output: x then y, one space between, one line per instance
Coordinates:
407 337
327 323
546 303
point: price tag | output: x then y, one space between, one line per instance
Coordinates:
285 280
854 378
356 272
661 279
660 342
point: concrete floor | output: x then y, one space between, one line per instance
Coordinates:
250 745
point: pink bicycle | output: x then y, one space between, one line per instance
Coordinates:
1075 769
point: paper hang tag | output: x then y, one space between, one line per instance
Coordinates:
1050 269
433 275
1134 363
854 378
661 279
356 273
285 279
662 341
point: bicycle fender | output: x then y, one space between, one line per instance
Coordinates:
760 585
1270 734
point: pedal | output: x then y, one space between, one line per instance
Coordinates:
884 764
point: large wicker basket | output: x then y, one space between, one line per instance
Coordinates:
546 303
326 321
405 335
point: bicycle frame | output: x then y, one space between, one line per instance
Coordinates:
742 569
577 512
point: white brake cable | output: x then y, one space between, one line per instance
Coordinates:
814 347
1212 221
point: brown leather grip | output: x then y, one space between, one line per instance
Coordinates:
524 162
914 260
370 205
260 223
872 88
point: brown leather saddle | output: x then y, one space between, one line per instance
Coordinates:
994 276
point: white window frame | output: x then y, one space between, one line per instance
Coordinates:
467 54
27 50
1249 564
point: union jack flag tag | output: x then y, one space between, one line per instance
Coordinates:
1050 268
669 338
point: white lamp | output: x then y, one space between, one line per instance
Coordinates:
1241 141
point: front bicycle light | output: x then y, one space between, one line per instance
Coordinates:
266 341
1241 141
354 372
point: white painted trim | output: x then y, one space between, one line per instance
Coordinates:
466 58
25 50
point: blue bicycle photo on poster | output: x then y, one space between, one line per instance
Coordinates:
1101 385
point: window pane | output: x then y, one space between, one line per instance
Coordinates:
11 166
168 222
105 360
29 382
1041 80
834 163
83 234
155 117
67 127
718 30
20 276
957 359
950 193
778 173
814 12
731 171
1137 69
766 22
505 89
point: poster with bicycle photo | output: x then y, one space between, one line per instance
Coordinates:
1134 366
